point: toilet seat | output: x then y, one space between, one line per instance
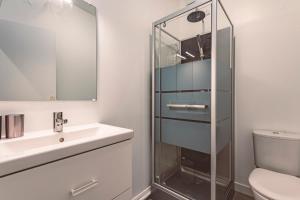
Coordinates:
275 186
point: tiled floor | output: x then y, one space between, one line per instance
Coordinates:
159 195
239 196
191 186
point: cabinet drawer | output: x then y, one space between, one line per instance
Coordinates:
110 168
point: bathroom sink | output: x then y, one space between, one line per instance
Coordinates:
38 148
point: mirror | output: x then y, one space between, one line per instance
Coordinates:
48 50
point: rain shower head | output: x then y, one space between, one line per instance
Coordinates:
196 16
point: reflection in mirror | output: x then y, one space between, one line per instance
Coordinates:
48 50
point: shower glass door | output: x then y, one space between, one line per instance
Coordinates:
224 109
192 103
182 115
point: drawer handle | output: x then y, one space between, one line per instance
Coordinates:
93 183
186 107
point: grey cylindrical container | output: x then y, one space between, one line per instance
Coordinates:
14 126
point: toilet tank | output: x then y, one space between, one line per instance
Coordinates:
277 151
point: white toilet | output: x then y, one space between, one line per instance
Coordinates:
277 158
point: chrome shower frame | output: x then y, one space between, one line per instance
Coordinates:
214 5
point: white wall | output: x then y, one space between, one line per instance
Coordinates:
267 72
125 28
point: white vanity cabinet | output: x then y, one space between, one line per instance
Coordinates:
100 174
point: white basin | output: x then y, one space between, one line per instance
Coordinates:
37 148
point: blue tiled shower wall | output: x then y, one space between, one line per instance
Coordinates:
190 135
188 83
190 76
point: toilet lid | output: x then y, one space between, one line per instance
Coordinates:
275 185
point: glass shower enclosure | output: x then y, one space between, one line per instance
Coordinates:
192 103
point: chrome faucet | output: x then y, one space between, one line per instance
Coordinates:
58 122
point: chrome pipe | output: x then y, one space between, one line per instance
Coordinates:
0 127
153 104
213 134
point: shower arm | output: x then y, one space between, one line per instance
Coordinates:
198 38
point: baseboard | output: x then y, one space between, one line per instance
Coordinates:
143 195
242 188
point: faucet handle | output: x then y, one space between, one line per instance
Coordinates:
58 121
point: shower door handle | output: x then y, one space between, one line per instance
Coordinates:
187 107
